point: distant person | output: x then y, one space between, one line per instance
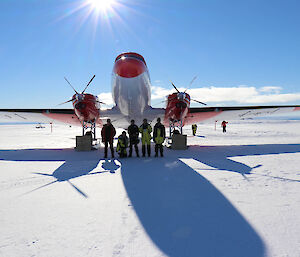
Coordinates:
107 133
194 128
159 135
145 130
122 145
223 124
133 132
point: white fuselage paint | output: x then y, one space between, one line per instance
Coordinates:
132 96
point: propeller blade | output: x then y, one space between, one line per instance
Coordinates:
66 102
88 84
175 87
101 102
71 85
198 102
192 81
164 101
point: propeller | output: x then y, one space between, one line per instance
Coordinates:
88 84
175 87
79 95
182 93
194 78
101 102
71 85
198 102
65 102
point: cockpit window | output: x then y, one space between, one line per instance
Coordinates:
132 55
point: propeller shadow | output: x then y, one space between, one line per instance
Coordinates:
218 156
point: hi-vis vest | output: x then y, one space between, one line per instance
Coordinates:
146 136
121 144
159 139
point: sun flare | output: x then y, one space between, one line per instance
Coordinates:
101 5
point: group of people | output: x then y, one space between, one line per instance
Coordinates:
108 132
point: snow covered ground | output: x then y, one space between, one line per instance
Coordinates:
234 194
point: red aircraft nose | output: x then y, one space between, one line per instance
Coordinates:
129 67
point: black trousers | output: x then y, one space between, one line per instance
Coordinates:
224 129
123 152
148 150
135 147
111 146
161 149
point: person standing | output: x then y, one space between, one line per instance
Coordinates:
133 132
159 135
145 130
122 145
107 133
194 128
223 124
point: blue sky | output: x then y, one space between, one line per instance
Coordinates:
243 52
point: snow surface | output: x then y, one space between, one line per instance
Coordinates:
234 194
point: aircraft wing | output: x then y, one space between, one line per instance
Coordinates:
66 116
39 115
211 114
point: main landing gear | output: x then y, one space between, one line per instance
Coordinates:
175 125
89 128
177 140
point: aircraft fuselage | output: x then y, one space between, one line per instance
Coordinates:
131 86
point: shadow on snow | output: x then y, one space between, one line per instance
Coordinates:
182 212
76 164
218 157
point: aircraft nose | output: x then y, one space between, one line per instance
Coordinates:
129 67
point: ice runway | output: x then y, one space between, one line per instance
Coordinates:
233 194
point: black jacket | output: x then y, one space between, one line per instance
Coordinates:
162 130
133 132
107 133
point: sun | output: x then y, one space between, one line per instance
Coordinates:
101 5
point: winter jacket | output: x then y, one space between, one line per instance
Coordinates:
145 130
194 127
159 133
133 132
107 133
122 143
223 124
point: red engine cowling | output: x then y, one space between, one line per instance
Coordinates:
177 107
86 107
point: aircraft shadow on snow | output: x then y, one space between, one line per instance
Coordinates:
76 164
181 211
